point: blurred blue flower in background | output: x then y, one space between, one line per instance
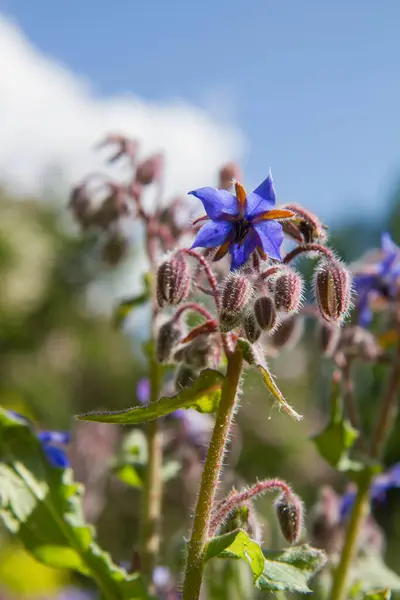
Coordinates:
53 443
378 280
381 484
241 224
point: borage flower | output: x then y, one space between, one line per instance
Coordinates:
53 443
381 484
378 281
241 223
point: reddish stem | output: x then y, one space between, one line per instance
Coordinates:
307 248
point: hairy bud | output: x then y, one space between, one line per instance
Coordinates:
149 170
329 338
173 281
236 294
169 335
288 333
81 206
305 227
289 510
288 291
265 313
251 327
242 517
332 286
200 352
186 375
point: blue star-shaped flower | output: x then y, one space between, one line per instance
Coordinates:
53 443
380 281
241 223
381 484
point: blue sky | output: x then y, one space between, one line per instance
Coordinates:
314 86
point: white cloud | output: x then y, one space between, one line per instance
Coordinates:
50 116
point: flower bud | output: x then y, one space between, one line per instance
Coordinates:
169 335
329 337
173 281
81 206
149 170
289 510
243 517
305 227
251 327
228 321
265 313
115 249
332 286
288 333
236 293
288 291
186 375
227 175
200 352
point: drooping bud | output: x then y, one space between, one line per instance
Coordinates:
173 281
288 291
186 375
236 294
169 335
80 205
332 286
265 313
289 510
251 327
149 170
329 338
288 333
200 352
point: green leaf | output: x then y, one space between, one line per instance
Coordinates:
335 441
371 573
379 595
237 544
291 569
204 396
253 357
129 475
41 505
286 570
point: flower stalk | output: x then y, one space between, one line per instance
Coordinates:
210 478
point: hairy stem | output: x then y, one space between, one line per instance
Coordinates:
360 509
388 411
210 478
361 505
152 487
306 249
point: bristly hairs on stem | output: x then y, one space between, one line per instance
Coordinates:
308 249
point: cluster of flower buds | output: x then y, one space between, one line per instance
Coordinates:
350 342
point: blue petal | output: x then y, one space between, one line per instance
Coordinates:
346 504
271 237
56 456
212 234
261 199
143 390
54 437
240 253
388 244
217 203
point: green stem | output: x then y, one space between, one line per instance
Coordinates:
210 478
152 487
360 509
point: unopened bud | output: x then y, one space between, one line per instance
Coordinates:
169 335
173 281
227 175
242 517
236 293
305 227
112 208
288 333
81 206
199 353
289 510
149 170
332 286
251 327
265 313
115 249
228 321
186 375
329 337
288 291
